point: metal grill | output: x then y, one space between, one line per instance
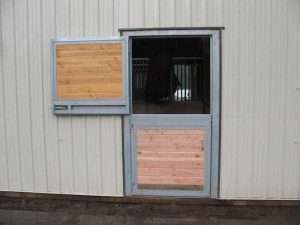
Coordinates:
184 69
140 69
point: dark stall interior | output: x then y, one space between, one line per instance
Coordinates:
171 75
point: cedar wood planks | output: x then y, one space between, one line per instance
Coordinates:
89 71
170 157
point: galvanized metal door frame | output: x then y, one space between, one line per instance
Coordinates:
129 157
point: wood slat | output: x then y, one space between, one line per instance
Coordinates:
170 154
89 71
169 172
170 157
168 180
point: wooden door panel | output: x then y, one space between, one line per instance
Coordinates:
170 158
89 71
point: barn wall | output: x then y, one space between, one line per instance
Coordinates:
260 149
261 100
39 151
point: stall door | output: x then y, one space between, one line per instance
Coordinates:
169 131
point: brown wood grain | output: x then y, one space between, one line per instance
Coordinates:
170 157
89 71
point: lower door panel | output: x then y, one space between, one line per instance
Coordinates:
169 155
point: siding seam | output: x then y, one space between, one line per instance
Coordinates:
16 97
43 95
4 97
254 124
29 96
269 106
237 117
101 152
284 136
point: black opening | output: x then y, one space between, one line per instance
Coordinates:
171 75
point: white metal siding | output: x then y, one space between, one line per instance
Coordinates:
260 149
39 151
260 100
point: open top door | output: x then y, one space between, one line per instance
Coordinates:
172 134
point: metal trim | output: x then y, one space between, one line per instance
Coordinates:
118 106
216 103
123 30
91 102
91 110
172 33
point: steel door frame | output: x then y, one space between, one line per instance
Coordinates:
213 118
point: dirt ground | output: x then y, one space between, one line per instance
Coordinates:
69 210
